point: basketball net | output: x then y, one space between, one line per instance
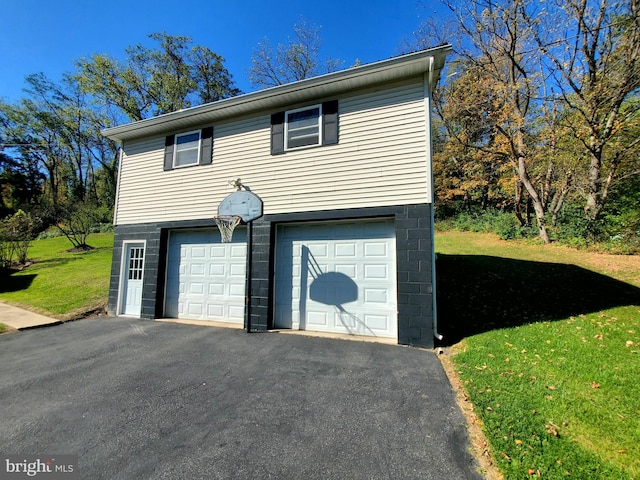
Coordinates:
226 225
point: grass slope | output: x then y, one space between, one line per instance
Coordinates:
551 353
62 283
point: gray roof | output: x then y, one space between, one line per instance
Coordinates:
428 61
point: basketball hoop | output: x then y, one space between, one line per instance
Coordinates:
226 225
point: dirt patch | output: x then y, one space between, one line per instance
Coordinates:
479 445
80 249
626 267
100 311
6 329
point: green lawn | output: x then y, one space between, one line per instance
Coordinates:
550 355
61 283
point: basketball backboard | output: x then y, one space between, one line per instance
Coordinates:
241 203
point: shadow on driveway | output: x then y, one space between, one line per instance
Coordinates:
148 400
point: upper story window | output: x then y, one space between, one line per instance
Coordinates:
187 150
302 127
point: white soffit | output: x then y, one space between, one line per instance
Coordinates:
327 85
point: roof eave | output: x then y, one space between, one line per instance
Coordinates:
275 97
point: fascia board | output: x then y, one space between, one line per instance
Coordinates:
330 84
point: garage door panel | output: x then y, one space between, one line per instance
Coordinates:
317 319
376 296
375 249
377 322
236 311
196 269
196 288
376 272
350 271
215 311
337 277
347 250
206 278
318 250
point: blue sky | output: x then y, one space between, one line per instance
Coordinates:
48 35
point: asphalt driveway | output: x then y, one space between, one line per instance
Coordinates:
138 399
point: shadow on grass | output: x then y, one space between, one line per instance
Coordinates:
480 293
14 283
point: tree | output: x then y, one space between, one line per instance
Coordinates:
500 65
54 134
593 55
465 168
16 233
76 221
297 60
151 82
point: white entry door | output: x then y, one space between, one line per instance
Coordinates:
337 277
133 269
206 278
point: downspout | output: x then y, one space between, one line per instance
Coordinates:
428 98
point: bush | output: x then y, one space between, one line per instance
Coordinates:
505 224
16 234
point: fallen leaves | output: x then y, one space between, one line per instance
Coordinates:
552 429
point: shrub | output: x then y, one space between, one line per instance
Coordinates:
503 223
16 234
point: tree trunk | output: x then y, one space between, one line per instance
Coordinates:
518 203
594 204
535 199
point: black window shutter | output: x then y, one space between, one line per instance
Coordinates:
206 146
168 152
277 133
330 122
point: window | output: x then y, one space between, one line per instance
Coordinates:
187 149
302 127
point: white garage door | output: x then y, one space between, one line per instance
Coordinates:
206 278
337 277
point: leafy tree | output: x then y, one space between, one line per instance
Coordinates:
464 166
54 134
151 82
76 221
20 184
16 233
497 103
593 55
296 60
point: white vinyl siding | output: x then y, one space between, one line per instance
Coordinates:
381 159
